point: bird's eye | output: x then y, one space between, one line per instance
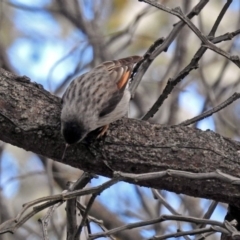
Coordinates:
61 100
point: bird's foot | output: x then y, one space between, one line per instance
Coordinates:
103 131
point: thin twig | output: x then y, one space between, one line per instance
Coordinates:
164 202
169 207
16 225
71 204
209 212
151 55
156 220
210 112
219 18
84 218
180 234
178 12
177 173
172 82
12 224
45 220
92 219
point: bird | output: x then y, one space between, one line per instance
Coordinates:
96 99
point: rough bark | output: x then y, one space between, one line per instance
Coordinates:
30 119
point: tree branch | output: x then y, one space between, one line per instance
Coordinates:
30 119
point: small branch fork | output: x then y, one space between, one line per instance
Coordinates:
159 46
207 43
56 200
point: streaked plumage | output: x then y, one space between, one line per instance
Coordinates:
96 98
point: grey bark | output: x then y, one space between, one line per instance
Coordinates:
30 119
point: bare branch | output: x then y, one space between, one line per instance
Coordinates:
71 204
170 209
210 112
209 212
155 175
84 218
178 12
184 233
13 224
191 66
45 220
129 143
151 54
156 220
172 82
219 18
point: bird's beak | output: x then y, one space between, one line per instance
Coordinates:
66 146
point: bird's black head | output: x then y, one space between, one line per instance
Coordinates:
73 132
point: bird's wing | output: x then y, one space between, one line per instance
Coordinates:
120 70
119 73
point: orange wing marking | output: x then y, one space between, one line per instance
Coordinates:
123 80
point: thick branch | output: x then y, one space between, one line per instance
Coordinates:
29 119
